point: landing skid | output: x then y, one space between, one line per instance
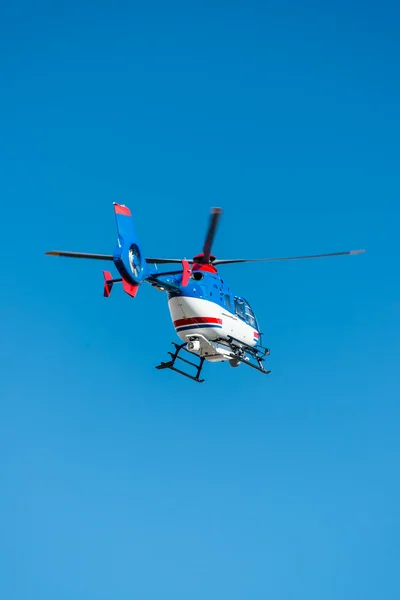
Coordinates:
175 356
247 355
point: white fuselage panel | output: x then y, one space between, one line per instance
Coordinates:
196 316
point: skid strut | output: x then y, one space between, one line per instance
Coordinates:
247 354
175 356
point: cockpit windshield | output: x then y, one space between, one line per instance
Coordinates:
243 310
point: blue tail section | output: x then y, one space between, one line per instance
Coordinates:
128 257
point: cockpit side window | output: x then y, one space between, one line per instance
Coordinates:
250 317
240 308
244 311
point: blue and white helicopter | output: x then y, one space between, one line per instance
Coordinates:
213 323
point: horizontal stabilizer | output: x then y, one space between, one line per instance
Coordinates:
129 288
108 283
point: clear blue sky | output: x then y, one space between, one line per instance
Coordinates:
119 481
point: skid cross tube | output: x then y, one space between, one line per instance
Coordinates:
175 356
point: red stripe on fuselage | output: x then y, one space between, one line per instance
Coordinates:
122 210
197 321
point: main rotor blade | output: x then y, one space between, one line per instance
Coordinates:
165 261
80 255
212 227
245 260
156 261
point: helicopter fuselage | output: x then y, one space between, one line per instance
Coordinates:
207 309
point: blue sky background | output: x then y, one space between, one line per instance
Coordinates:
118 481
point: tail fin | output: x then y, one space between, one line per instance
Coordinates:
128 257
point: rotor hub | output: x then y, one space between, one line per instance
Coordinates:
200 259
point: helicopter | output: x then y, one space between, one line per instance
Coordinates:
213 323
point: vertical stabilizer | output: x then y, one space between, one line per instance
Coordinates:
128 257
